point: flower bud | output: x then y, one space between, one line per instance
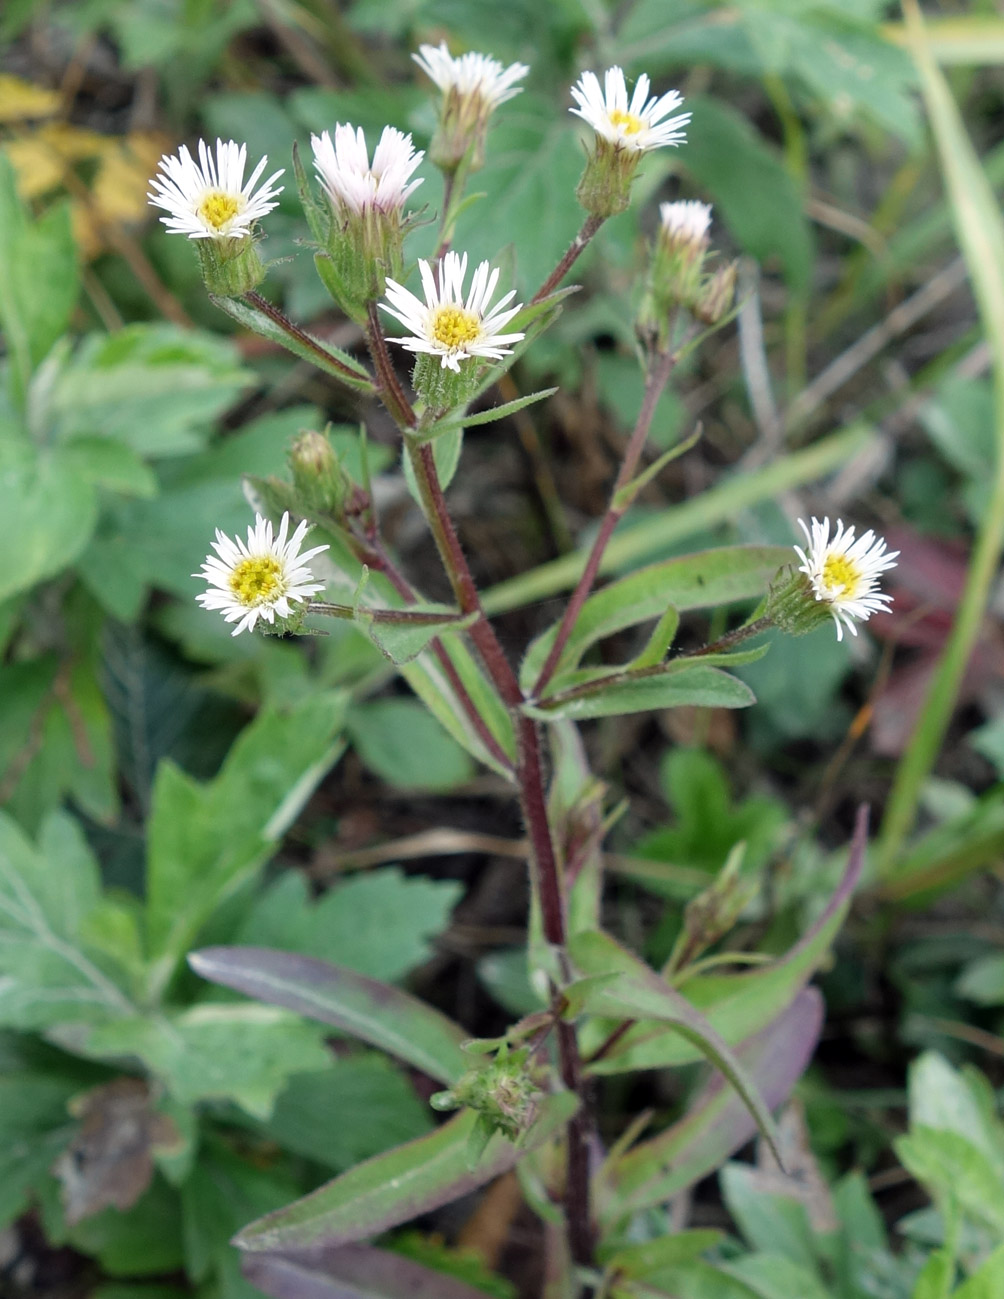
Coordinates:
503 1094
717 295
321 483
473 86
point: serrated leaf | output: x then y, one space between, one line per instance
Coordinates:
47 976
398 1185
243 1053
365 1008
379 923
204 840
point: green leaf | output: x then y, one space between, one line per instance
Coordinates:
49 514
982 981
716 1123
379 924
243 1053
753 193
39 279
684 685
952 1101
437 690
398 1185
954 1170
35 1127
492 414
738 1005
402 743
205 840
156 388
106 463
702 581
987 1282
402 639
774 1276
639 993
47 975
365 1008
642 1261
773 1223
343 1115
142 1241
328 358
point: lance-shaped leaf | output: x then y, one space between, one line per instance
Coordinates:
401 634
364 1008
738 1005
271 324
398 1185
717 1123
701 581
488 416
639 993
678 685
350 1272
438 682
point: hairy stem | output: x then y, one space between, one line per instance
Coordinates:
391 393
533 801
656 381
571 255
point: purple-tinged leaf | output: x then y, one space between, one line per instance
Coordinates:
350 1272
364 1008
398 1185
738 1005
637 992
717 1123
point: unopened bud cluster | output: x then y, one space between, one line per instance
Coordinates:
677 273
503 1094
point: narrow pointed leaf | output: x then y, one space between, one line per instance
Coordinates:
717 1123
701 581
350 1272
364 1008
737 1005
640 993
698 685
332 360
398 1185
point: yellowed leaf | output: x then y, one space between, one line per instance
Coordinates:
123 177
21 101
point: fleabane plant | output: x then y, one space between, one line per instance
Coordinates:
462 329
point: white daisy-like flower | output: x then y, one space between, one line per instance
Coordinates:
261 578
471 76
446 324
354 183
686 221
845 572
208 199
636 125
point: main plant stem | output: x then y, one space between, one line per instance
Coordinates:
658 377
533 801
529 769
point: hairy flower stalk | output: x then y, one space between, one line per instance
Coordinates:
209 201
265 578
472 86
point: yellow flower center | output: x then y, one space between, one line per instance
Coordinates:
454 327
840 576
628 122
257 580
217 208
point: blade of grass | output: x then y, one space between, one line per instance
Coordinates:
980 232
649 539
